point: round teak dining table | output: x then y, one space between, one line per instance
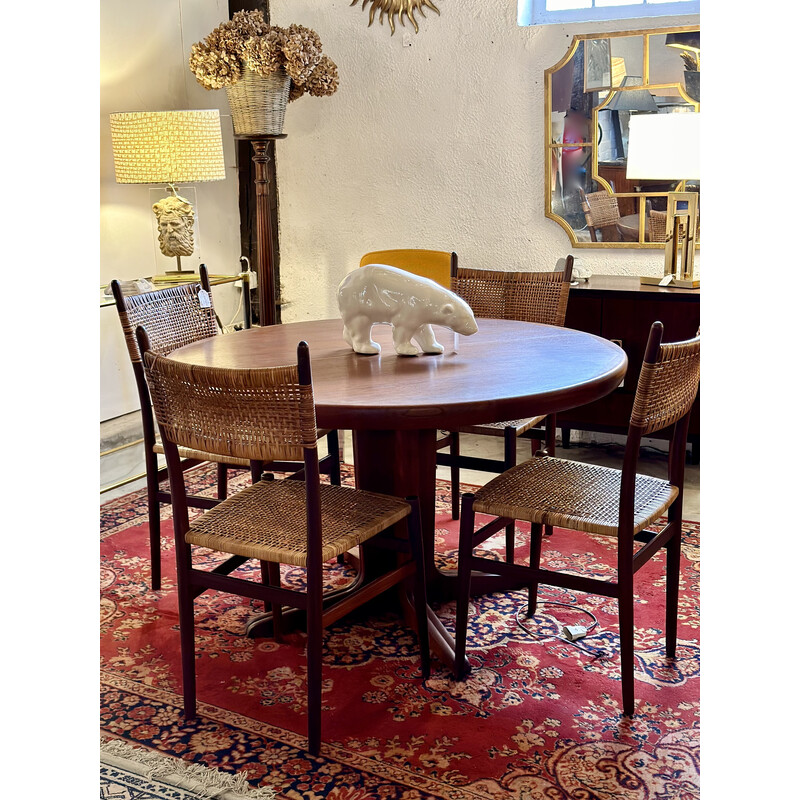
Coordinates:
394 405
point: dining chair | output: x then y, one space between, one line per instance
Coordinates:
601 210
263 415
528 297
620 504
438 265
175 316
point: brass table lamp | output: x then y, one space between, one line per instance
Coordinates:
667 147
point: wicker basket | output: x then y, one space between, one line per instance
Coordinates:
259 104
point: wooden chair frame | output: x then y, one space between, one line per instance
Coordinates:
539 439
193 582
628 561
182 295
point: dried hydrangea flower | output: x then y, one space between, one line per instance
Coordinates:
324 80
303 51
264 54
247 40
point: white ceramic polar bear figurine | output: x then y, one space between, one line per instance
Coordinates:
379 293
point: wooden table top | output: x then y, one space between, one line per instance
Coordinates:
507 370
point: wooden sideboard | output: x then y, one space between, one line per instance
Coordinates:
619 308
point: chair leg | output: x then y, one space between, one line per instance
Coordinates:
154 521
536 556
420 581
465 535
222 481
510 460
256 468
455 474
673 582
335 453
550 435
271 576
626 655
549 446
314 666
186 621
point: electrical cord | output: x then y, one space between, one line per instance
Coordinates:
600 653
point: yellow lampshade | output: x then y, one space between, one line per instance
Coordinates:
167 146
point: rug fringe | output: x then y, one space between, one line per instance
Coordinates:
203 781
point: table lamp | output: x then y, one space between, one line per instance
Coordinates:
667 147
169 147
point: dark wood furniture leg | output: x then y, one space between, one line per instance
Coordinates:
403 463
509 461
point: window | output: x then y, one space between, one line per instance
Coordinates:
550 12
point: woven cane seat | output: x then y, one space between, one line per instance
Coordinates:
569 494
520 426
267 521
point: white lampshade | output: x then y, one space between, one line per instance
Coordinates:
664 147
167 146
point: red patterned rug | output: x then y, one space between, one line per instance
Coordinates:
537 719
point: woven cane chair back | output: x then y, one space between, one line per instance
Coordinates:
600 209
438 265
259 414
172 318
657 226
667 387
524 296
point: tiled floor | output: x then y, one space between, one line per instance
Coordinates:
122 464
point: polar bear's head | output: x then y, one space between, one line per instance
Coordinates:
458 316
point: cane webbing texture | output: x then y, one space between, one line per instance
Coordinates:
259 414
657 227
172 318
525 296
666 389
267 521
600 208
569 494
498 428
185 452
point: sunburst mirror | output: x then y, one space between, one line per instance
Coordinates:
396 8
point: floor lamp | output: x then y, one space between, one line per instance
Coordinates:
667 147
169 147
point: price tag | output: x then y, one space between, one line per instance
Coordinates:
666 280
205 298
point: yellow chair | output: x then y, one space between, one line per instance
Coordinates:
437 265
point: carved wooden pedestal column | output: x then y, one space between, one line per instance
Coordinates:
265 268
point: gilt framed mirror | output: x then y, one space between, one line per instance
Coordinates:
590 96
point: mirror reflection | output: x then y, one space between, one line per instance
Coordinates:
590 97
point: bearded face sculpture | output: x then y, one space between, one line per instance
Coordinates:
175 217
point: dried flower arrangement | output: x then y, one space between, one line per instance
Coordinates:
247 40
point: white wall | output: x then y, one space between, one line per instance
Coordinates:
144 53
438 144
433 140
